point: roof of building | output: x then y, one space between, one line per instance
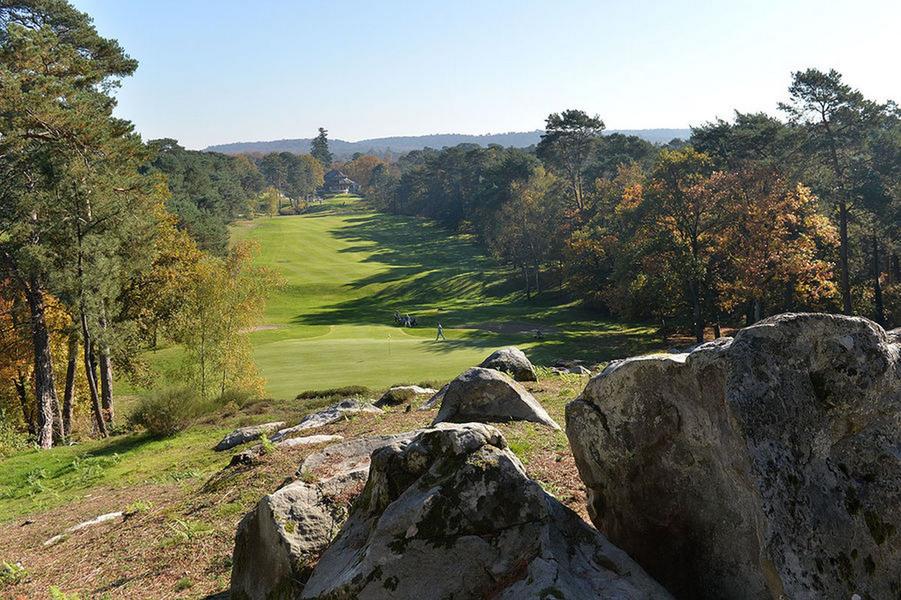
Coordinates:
336 175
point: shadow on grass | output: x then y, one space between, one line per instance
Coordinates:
440 277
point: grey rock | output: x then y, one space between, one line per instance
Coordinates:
350 456
242 435
308 440
573 370
486 395
328 415
403 394
763 466
251 454
278 542
894 335
452 514
113 516
513 361
435 400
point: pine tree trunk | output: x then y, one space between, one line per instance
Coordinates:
537 280
879 316
69 394
21 384
696 312
106 385
44 384
843 256
90 373
895 271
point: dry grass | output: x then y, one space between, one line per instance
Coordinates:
181 547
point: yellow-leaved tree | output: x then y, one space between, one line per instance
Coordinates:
222 302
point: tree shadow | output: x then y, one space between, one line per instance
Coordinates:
441 277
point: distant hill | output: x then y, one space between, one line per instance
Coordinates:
401 144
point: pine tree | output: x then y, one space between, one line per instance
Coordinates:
319 148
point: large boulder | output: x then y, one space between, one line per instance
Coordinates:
404 394
279 541
767 466
330 414
242 435
513 361
486 395
452 514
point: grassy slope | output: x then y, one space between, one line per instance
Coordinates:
348 269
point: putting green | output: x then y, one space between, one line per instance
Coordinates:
348 269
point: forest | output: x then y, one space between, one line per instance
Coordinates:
747 218
112 246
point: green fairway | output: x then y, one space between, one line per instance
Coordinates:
347 269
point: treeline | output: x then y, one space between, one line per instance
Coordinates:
208 191
749 217
107 244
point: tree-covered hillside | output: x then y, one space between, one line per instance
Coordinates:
401 144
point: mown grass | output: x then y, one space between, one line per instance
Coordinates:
348 269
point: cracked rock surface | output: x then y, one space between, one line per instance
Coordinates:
764 466
451 514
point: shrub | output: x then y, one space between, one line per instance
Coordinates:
184 583
167 411
137 507
267 444
12 440
346 391
239 398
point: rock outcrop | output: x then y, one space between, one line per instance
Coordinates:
435 400
248 456
404 394
512 361
451 514
347 457
765 466
486 396
242 435
331 414
278 542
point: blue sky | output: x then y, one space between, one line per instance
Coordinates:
228 70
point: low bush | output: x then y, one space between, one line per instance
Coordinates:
346 391
12 439
167 411
239 398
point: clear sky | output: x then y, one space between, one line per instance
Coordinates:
214 71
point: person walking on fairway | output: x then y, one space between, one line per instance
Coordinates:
440 335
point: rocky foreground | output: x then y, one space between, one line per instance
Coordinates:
764 466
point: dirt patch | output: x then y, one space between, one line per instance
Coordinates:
260 328
181 547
